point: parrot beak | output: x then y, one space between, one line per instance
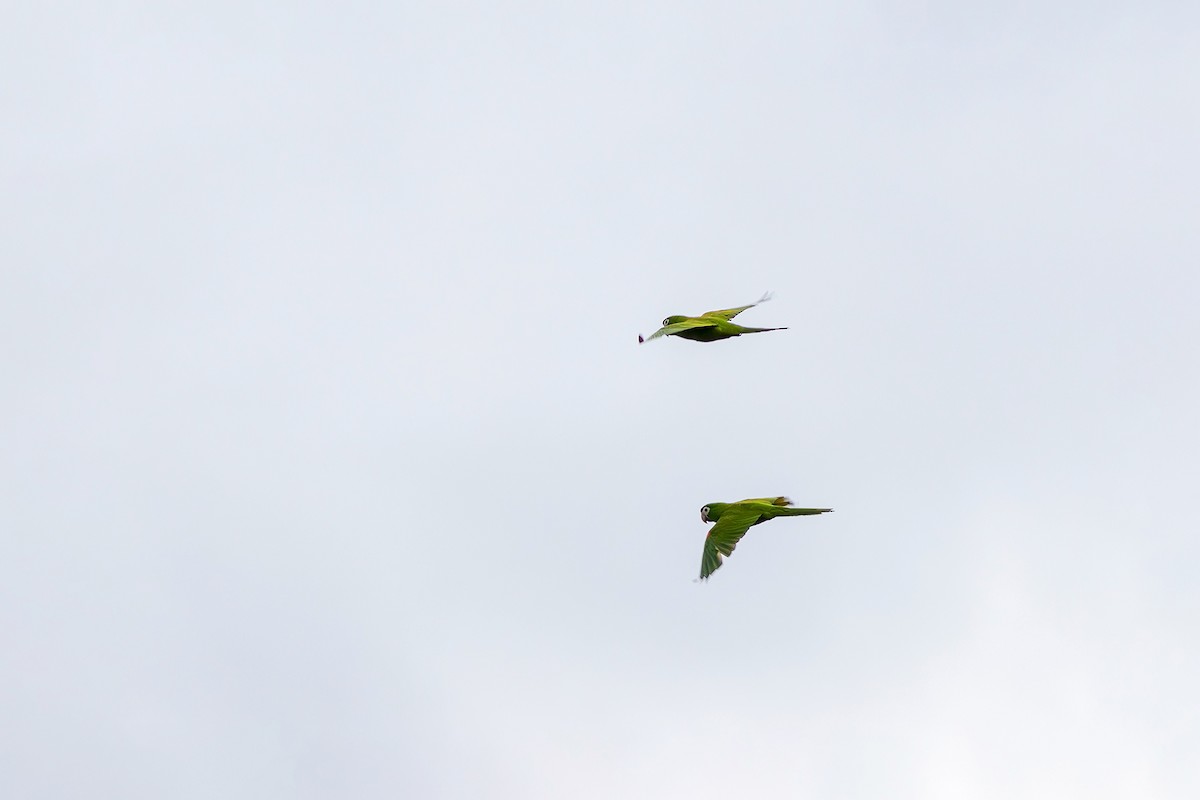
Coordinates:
640 339
703 517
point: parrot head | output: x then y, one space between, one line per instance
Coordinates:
666 323
712 512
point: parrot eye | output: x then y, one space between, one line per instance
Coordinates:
704 510
666 322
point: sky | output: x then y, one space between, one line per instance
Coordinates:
332 467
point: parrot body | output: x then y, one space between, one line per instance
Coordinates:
733 520
709 326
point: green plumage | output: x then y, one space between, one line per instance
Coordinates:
733 520
709 326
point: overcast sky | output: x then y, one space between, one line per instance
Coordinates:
332 468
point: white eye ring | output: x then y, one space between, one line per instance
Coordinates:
666 322
704 510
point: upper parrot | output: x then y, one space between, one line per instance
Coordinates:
734 519
709 326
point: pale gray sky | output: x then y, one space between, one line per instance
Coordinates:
332 467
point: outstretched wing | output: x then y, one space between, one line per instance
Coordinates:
771 501
730 313
723 538
782 507
687 324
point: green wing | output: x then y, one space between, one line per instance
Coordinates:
730 313
771 501
687 324
781 507
723 538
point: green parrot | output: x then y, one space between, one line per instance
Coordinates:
734 519
709 326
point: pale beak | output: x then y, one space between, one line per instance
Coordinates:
703 516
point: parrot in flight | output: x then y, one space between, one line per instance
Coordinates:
732 520
709 326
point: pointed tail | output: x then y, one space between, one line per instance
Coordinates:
801 512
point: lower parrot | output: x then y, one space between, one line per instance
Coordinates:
709 326
732 520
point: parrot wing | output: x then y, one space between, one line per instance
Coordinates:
771 501
782 507
730 313
723 538
687 324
